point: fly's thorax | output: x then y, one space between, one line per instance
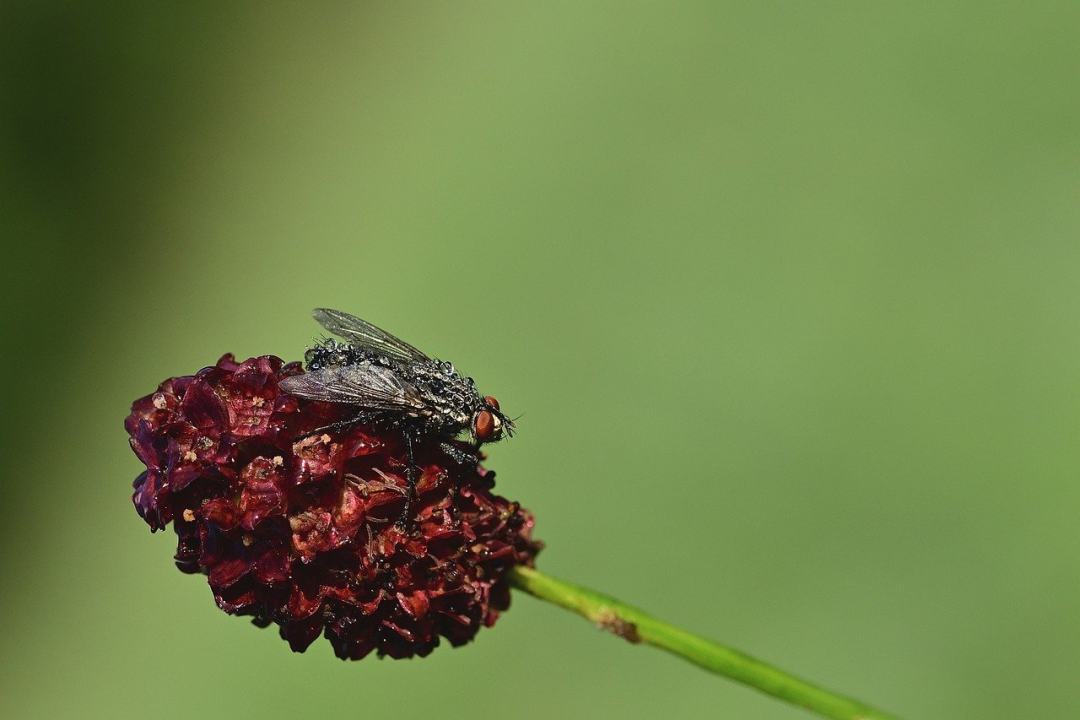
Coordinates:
453 396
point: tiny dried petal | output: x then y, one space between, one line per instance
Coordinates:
151 499
220 512
148 445
273 566
311 532
263 493
316 454
203 408
227 572
415 603
301 633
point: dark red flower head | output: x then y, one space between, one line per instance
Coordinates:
302 532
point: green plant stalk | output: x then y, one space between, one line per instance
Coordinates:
638 627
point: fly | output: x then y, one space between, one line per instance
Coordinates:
389 383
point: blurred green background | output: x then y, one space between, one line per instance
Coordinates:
789 294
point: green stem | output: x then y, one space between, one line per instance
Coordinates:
637 627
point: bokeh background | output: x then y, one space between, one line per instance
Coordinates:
788 293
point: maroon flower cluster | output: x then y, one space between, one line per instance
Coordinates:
299 529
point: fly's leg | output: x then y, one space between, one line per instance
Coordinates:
334 427
468 458
461 457
412 475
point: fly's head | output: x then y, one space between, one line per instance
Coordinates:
489 423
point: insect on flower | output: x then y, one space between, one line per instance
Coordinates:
391 384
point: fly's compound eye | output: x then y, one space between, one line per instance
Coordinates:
491 402
486 426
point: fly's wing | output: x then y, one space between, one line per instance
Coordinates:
364 385
365 335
